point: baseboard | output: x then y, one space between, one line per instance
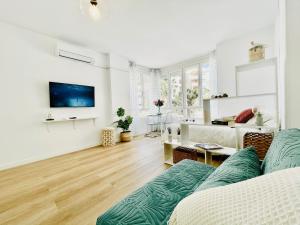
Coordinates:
39 158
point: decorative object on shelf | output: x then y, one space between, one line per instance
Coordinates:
219 122
225 95
159 103
259 119
90 8
124 123
208 146
108 137
178 134
256 52
49 117
169 134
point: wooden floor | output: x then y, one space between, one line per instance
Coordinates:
76 188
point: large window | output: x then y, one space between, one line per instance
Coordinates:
206 87
192 86
176 89
143 90
165 90
185 89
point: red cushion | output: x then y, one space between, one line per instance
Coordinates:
244 116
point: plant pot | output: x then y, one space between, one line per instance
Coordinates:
126 136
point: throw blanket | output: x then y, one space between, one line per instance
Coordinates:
270 199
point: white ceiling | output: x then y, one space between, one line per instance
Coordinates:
153 33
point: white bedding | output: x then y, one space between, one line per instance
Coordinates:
267 200
222 135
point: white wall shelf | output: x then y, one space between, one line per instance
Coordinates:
56 120
259 63
242 96
256 77
61 120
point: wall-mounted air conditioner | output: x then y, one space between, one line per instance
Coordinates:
75 56
72 52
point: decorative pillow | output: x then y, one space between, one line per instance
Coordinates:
241 166
244 116
269 199
284 151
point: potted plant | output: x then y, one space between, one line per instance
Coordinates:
124 123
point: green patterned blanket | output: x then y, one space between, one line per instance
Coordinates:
153 203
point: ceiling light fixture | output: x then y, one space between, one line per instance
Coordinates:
90 8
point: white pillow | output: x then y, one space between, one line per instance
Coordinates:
269 199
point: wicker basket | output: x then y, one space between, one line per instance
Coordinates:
256 53
181 153
260 141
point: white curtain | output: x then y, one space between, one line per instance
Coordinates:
214 108
154 87
134 80
213 73
149 81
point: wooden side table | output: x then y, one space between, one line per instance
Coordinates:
170 146
108 136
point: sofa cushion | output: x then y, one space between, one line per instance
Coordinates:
268 199
154 202
241 166
284 151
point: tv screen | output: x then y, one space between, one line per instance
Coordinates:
71 95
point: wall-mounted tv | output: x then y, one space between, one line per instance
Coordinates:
71 95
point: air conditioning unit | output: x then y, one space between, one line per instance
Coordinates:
74 53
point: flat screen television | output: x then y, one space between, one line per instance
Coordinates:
71 95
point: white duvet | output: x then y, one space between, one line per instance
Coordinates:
272 199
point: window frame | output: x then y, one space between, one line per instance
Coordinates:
185 108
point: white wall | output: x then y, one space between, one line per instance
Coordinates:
120 83
232 53
27 64
292 82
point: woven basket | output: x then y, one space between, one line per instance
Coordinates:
260 141
256 53
181 153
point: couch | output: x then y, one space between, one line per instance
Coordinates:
154 203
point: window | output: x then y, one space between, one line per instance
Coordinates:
140 93
176 89
192 84
206 87
184 90
146 90
165 90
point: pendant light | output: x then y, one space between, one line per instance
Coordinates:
90 8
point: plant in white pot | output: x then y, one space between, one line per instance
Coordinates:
124 123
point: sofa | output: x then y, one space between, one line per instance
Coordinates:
154 203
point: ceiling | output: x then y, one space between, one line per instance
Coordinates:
153 33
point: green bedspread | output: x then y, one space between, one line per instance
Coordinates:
153 203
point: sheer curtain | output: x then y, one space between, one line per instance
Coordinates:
214 111
144 89
134 88
213 72
154 87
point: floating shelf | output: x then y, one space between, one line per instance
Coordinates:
68 119
262 62
242 96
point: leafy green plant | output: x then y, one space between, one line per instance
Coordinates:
125 121
192 95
